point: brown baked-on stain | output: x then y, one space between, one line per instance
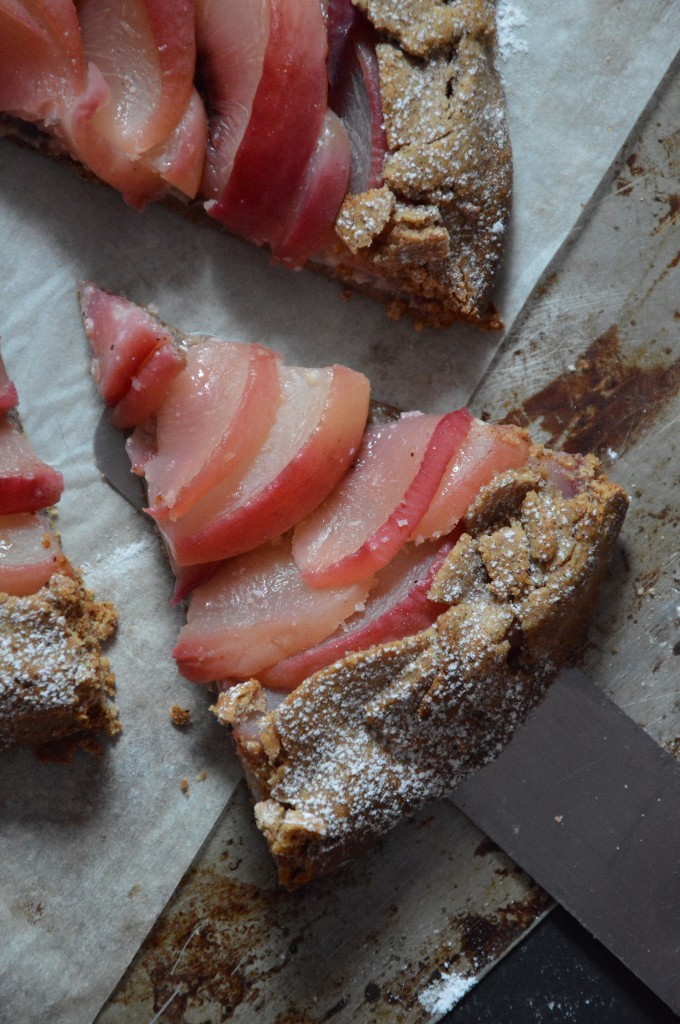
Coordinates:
673 213
606 402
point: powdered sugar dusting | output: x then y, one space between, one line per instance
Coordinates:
443 994
509 18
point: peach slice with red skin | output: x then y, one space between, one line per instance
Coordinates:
231 41
380 502
146 53
212 422
148 386
256 610
396 607
123 336
27 484
312 442
29 552
284 126
488 449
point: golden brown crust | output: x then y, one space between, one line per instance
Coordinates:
448 155
54 680
366 741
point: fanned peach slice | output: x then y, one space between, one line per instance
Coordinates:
180 158
320 196
397 606
355 93
375 509
8 393
284 126
312 442
145 51
26 482
29 550
253 612
488 449
42 65
148 386
122 336
231 39
212 422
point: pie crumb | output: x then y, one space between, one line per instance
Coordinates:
179 716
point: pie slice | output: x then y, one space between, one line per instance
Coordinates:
55 683
359 691
364 138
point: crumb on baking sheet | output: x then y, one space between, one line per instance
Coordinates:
201 777
180 716
184 785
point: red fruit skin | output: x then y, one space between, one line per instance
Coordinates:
284 126
27 484
379 548
407 616
149 386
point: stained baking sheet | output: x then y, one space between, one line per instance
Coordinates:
89 854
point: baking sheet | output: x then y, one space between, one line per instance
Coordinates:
89 854
416 923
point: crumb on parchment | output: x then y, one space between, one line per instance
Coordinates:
180 716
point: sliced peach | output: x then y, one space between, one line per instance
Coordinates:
26 482
212 423
397 606
42 64
253 612
29 553
122 336
319 197
148 386
488 449
312 443
231 40
375 509
145 51
284 126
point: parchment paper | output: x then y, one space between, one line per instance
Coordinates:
90 853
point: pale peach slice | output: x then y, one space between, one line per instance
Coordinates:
212 422
488 449
313 440
29 553
148 386
319 197
26 482
375 509
253 612
42 64
122 336
397 606
146 53
179 159
231 39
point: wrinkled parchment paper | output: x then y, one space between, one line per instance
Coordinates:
90 853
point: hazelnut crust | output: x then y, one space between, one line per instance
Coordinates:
54 680
430 241
371 738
